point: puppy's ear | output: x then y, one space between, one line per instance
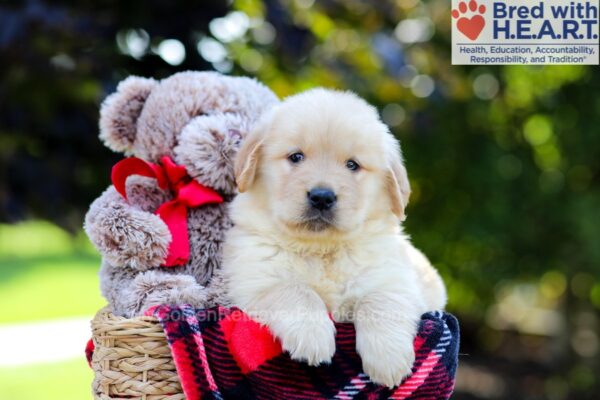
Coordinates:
398 185
247 160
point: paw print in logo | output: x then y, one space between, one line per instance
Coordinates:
470 27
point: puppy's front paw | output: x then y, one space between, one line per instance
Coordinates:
387 359
310 340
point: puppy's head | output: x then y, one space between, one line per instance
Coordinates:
321 163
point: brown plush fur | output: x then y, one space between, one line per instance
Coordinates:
198 119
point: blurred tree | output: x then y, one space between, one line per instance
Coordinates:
504 160
59 61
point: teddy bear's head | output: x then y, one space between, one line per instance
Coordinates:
197 118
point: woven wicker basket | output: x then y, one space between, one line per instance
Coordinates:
132 359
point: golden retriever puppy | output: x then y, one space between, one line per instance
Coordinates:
317 234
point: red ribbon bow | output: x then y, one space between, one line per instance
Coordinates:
187 193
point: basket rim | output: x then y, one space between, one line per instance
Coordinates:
105 324
106 313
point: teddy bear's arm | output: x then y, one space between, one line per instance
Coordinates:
126 232
130 292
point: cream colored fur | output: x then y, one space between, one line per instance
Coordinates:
361 268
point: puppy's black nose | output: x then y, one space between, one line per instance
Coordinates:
321 198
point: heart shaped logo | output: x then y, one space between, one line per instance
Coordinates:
470 27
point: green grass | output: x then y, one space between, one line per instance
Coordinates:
67 380
46 273
48 289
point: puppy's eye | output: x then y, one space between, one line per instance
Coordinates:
296 157
352 165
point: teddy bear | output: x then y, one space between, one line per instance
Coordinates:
160 226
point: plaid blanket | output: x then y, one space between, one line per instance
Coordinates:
221 353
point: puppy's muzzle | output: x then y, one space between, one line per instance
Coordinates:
321 199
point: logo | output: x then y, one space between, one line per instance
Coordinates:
525 32
470 27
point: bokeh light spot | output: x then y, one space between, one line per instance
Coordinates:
553 284
264 33
172 51
211 50
408 4
585 342
486 86
304 3
251 60
414 30
134 42
582 284
537 130
224 66
393 114
63 61
422 86
595 295
231 27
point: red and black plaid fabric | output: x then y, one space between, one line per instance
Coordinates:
221 353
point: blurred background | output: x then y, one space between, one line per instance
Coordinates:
504 162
